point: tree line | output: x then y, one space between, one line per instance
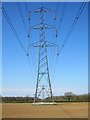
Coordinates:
70 97
67 97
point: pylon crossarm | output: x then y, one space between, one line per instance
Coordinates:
35 27
51 44
50 26
35 10
44 45
48 10
31 45
40 27
47 44
38 11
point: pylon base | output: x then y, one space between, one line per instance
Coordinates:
44 103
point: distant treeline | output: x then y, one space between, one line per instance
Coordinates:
65 98
73 98
17 99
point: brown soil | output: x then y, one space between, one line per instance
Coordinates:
61 110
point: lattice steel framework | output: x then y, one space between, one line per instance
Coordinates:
43 69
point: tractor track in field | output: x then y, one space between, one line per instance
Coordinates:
71 115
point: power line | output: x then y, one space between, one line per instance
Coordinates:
71 28
12 28
26 8
57 6
59 26
31 64
0 5
22 17
16 35
31 36
74 23
24 23
62 16
32 53
54 24
30 67
54 40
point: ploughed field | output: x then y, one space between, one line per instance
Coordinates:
61 110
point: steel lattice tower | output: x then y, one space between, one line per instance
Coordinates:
43 69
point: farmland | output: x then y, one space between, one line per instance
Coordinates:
61 110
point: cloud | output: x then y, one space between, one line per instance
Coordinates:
61 91
18 91
31 91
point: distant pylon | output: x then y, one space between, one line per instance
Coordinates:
43 69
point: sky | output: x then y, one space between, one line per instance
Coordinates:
68 71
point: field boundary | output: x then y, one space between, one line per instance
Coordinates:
44 119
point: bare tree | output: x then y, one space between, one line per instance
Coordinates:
69 95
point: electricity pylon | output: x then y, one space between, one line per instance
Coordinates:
42 44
